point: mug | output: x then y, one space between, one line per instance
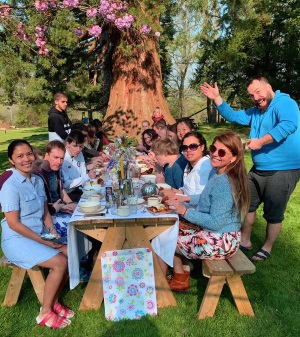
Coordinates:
123 210
94 197
153 201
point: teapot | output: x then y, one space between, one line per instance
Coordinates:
149 189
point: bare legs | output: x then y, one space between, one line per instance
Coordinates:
272 232
58 265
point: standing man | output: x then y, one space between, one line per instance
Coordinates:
59 124
275 149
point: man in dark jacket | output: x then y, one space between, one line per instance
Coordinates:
59 124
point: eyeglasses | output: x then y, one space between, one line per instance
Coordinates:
192 147
221 152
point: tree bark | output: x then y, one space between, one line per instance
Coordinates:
136 87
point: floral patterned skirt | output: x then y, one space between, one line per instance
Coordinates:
61 221
196 243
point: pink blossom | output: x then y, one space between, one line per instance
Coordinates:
70 4
146 29
5 12
91 13
41 5
125 22
95 31
40 43
78 31
43 51
157 34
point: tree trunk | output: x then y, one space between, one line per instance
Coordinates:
136 87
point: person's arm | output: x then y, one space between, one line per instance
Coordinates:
212 92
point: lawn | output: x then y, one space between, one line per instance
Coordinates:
273 290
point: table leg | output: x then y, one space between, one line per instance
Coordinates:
137 238
93 295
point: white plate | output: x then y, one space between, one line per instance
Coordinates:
99 209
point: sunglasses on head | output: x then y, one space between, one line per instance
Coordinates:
192 147
221 153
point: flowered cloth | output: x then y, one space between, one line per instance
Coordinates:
128 284
196 243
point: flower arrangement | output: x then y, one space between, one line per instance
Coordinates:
121 152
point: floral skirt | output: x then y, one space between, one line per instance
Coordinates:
196 243
61 221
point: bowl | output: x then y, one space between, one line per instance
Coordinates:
89 190
123 210
153 201
149 177
89 206
140 202
164 186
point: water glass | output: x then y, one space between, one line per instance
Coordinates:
132 201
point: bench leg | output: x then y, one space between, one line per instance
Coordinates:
14 286
211 296
239 294
38 281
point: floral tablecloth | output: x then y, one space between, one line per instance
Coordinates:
128 284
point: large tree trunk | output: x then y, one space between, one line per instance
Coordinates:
136 88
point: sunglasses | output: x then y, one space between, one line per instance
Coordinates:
192 147
221 153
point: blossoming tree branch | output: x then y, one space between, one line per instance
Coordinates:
125 33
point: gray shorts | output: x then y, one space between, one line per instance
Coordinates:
273 188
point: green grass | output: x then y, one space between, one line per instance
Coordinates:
273 290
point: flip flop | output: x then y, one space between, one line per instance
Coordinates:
245 249
261 255
57 322
67 312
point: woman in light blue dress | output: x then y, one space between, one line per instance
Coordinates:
24 204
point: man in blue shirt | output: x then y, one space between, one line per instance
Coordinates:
275 148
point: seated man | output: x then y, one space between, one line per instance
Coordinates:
59 203
74 169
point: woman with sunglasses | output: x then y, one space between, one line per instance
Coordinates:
212 230
198 166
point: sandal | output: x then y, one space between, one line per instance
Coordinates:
245 249
57 322
67 312
261 255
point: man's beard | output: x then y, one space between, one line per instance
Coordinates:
267 99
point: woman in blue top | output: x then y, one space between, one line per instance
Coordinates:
24 204
212 230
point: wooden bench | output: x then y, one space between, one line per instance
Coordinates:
17 277
226 271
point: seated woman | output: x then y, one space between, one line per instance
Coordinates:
148 137
184 125
197 170
212 230
100 134
26 215
167 156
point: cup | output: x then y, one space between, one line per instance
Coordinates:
123 211
132 203
94 197
153 201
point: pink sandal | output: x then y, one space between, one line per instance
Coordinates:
67 312
57 321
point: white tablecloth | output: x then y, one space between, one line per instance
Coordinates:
164 245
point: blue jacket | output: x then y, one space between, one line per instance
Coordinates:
281 120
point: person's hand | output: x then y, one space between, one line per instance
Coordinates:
104 157
58 205
68 208
209 91
176 203
253 144
160 178
92 174
169 193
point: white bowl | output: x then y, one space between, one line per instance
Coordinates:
148 177
92 189
89 206
140 202
164 186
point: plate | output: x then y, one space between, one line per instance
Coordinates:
160 212
99 209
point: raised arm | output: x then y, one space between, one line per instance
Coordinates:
212 92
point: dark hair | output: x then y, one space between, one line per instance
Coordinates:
152 134
17 142
187 121
75 136
55 144
200 137
96 123
59 95
257 78
79 126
